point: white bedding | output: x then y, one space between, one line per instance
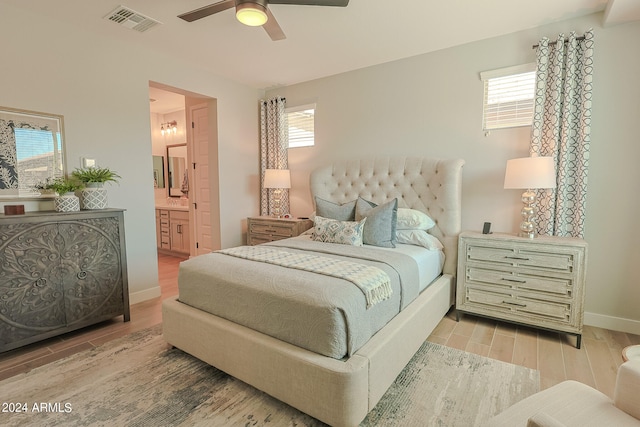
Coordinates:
429 262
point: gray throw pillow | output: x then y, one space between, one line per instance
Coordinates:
380 228
344 212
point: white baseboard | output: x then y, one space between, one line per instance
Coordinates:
613 323
147 294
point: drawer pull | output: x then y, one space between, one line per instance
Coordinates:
517 304
519 258
269 231
514 280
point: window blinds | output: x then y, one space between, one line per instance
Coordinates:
301 125
508 97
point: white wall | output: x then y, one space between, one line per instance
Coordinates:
431 105
102 89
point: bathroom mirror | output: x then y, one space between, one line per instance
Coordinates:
31 151
177 171
158 171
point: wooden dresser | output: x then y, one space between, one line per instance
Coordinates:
537 282
262 229
60 272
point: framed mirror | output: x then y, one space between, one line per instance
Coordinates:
177 181
158 171
31 151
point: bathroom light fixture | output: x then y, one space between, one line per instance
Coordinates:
530 173
252 14
169 127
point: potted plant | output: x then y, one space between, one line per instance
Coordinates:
66 201
94 196
45 188
95 175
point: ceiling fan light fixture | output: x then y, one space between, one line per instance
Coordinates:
253 15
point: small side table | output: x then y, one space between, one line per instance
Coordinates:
631 352
262 229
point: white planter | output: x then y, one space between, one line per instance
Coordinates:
67 202
94 196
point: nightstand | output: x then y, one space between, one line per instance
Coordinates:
536 282
262 229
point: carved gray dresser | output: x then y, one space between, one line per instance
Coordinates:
537 282
60 272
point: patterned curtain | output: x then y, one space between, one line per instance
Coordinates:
274 144
561 129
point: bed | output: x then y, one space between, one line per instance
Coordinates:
337 388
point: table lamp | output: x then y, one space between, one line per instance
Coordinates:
530 173
277 179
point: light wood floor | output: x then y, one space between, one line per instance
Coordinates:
553 354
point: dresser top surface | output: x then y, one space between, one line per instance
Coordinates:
172 208
273 218
59 215
553 240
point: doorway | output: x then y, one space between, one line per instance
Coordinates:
181 117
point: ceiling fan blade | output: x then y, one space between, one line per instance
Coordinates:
205 11
273 28
341 3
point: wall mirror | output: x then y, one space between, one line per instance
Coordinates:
178 183
158 171
31 151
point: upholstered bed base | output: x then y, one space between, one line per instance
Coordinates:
340 392
337 392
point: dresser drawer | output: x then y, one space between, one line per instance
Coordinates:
520 257
544 284
183 215
256 239
516 305
275 230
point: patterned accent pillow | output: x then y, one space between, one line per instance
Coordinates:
381 222
344 232
344 212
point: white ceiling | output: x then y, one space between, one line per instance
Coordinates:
321 41
163 102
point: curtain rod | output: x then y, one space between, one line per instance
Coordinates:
556 41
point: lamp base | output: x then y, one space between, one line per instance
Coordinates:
527 227
277 203
528 235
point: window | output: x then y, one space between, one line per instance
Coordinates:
38 154
508 97
301 125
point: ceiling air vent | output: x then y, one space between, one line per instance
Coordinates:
131 19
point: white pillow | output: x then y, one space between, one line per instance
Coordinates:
419 238
411 219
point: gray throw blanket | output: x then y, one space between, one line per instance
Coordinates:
372 281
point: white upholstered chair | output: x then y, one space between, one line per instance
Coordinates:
571 403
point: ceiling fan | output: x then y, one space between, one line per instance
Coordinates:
256 13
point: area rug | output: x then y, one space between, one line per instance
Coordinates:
139 380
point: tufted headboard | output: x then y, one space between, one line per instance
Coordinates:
429 185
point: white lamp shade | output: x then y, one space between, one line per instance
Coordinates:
277 178
530 173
